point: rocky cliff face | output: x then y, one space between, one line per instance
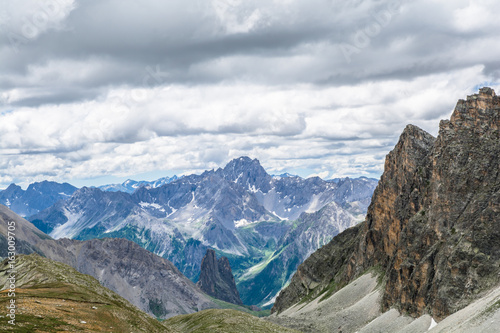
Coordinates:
433 226
217 280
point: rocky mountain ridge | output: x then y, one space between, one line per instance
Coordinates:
432 230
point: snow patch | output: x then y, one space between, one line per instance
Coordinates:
152 205
242 223
253 189
433 324
314 204
271 301
68 229
281 218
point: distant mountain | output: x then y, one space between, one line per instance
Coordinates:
430 245
284 175
37 196
239 210
129 186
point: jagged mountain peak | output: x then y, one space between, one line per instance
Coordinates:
13 187
86 191
478 112
248 173
242 160
12 192
415 137
216 278
50 186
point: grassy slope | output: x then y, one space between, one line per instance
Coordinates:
53 297
244 308
223 321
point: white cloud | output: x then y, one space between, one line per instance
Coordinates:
323 175
476 16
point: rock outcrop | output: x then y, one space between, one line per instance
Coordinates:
217 280
433 226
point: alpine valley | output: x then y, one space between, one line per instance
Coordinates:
265 225
426 258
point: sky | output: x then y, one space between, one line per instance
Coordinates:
98 91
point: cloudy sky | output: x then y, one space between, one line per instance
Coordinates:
97 91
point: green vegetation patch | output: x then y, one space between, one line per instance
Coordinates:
244 308
32 323
223 321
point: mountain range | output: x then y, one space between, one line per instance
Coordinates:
129 186
240 211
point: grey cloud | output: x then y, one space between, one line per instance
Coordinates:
203 49
177 38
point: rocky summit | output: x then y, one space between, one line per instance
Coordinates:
432 231
217 280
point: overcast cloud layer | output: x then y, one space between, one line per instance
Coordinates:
105 87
